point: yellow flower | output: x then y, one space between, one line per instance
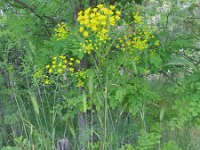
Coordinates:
103 23
100 6
62 57
92 15
112 21
85 34
93 22
60 70
61 31
104 10
46 81
72 59
88 48
104 30
138 19
71 70
70 63
117 17
86 12
110 12
50 71
60 64
80 17
94 28
118 12
64 66
95 9
81 29
96 20
80 13
54 58
78 61
80 83
47 66
112 7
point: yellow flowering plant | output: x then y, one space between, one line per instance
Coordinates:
61 31
95 25
60 66
138 41
102 36
73 64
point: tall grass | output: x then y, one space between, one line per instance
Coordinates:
42 118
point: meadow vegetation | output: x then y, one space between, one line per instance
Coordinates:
100 75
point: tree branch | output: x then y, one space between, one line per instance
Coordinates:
22 4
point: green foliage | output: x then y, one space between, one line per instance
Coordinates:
171 145
188 106
127 147
123 73
148 140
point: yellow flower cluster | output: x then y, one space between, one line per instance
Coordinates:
137 18
97 21
58 66
61 31
136 41
40 76
46 80
137 59
137 38
37 74
81 76
61 64
90 45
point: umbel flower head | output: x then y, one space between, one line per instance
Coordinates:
138 37
97 21
61 31
61 64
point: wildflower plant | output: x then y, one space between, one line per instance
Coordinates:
138 41
97 27
61 64
104 61
40 77
110 48
66 66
